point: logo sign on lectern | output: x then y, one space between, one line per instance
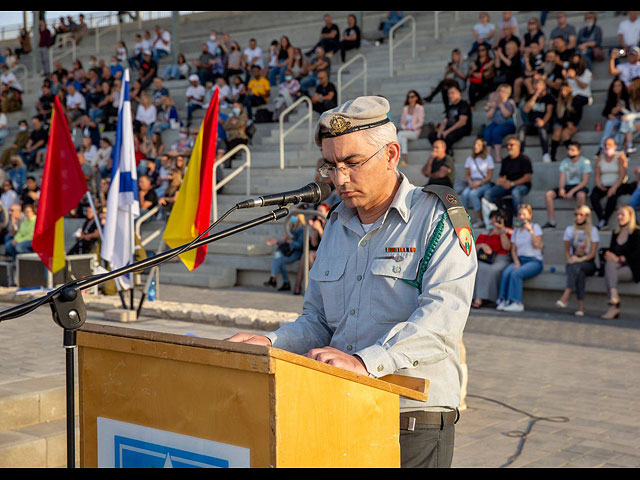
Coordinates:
126 445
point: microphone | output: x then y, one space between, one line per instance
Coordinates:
312 193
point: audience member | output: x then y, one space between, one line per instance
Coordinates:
148 70
526 253
25 43
617 102
9 195
235 127
494 255
319 63
628 70
238 89
299 65
258 91
234 61
507 19
161 45
33 152
146 194
44 43
4 130
326 96
20 142
552 72
455 74
630 120
589 40
622 259
177 71
350 37
534 35
440 168
289 250
252 56
502 110
483 32
329 37
411 123
580 248
578 76
167 116
567 116
514 178
538 113
167 200
195 96
575 171
629 31
288 92
159 90
103 158
610 181
565 30
478 168
481 74
21 241
317 225
14 217
87 235
393 17
509 68
17 173
147 112
283 57
508 35
457 121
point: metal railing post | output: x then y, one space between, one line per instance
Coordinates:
393 44
283 133
364 73
436 33
217 186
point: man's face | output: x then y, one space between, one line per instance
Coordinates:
513 147
573 151
15 211
322 78
562 20
368 185
454 95
144 184
439 149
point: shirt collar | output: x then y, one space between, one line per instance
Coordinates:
401 203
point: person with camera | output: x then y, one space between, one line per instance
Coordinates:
626 71
526 253
502 109
493 249
580 247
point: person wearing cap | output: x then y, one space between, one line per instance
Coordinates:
148 69
195 96
625 71
385 296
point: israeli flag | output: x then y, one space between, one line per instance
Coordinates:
123 206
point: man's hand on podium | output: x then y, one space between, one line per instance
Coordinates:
338 358
250 338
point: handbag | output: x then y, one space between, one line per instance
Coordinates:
487 257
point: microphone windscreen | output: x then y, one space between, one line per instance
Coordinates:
325 191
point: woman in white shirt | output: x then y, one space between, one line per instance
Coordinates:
478 168
483 32
4 131
580 247
146 112
411 123
526 252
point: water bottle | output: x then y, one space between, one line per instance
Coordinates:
151 295
552 269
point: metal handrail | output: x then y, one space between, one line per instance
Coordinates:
25 81
143 218
99 33
61 41
283 134
363 73
305 247
217 186
395 43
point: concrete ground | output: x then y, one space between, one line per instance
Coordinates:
545 389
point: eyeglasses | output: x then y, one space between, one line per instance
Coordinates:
348 168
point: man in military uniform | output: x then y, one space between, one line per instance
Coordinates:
392 283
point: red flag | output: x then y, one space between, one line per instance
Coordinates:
63 185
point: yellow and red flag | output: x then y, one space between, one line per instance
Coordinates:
191 212
63 185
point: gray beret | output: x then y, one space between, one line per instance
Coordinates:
352 116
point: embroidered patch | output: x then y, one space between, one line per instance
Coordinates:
464 235
338 124
452 199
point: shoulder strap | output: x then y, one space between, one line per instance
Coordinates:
456 212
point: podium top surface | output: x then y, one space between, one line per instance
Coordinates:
243 356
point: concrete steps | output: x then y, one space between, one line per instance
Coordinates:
33 423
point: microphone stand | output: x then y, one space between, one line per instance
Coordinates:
69 311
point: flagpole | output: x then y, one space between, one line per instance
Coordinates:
133 254
95 214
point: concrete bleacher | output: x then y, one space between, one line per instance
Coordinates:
246 259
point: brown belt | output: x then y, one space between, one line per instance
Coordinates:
408 420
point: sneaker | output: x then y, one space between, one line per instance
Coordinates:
501 304
601 224
514 307
630 149
285 287
546 158
549 225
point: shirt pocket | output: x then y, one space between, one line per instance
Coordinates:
393 300
329 273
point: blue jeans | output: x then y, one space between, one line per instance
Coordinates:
22 247
634 201
494 133
512 278
609 130
495 193
192 107
157 53
308 82
159 127
171 72
474 195
280 261
276 75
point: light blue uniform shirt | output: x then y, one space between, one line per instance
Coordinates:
357 300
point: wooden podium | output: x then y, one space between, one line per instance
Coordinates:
156 399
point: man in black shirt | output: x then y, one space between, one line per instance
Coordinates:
37 144
538 112
326 97
148 69
350 37
514 178
329 37
146 194
457 121
44 103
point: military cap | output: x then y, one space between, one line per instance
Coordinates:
358 114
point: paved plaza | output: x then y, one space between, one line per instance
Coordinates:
545 389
